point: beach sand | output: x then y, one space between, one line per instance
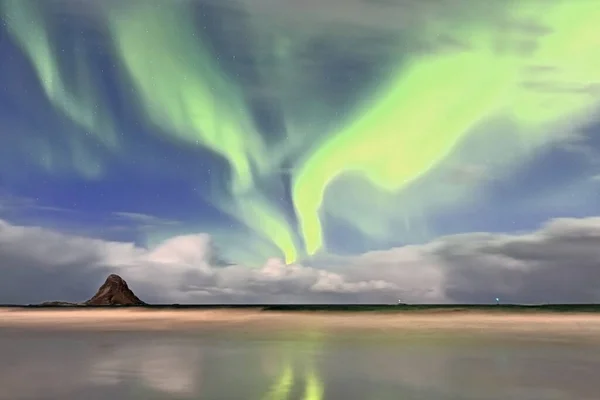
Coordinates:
542 324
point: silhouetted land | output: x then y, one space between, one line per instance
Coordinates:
370 308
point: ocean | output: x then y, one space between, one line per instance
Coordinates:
230 363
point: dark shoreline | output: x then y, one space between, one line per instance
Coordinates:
361 308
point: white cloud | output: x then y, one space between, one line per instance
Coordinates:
39 264
558 263
144 221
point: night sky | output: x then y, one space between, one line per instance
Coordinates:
301 151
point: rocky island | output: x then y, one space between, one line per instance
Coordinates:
113 292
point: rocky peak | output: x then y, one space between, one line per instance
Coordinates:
114 292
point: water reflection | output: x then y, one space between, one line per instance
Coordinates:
297 361
208 366
173 368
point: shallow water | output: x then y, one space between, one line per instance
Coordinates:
309 365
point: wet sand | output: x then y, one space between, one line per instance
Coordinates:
174 320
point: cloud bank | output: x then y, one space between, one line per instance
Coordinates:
560 262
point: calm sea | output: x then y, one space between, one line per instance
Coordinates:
222 364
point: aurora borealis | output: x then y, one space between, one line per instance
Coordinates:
287 132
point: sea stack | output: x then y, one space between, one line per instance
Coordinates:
114 292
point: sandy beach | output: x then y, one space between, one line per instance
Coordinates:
172 320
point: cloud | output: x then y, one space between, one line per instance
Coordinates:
379 15
144 218
31 211
468 174
144 222
14 204
38 264
560 262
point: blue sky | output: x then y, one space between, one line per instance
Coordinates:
87 150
